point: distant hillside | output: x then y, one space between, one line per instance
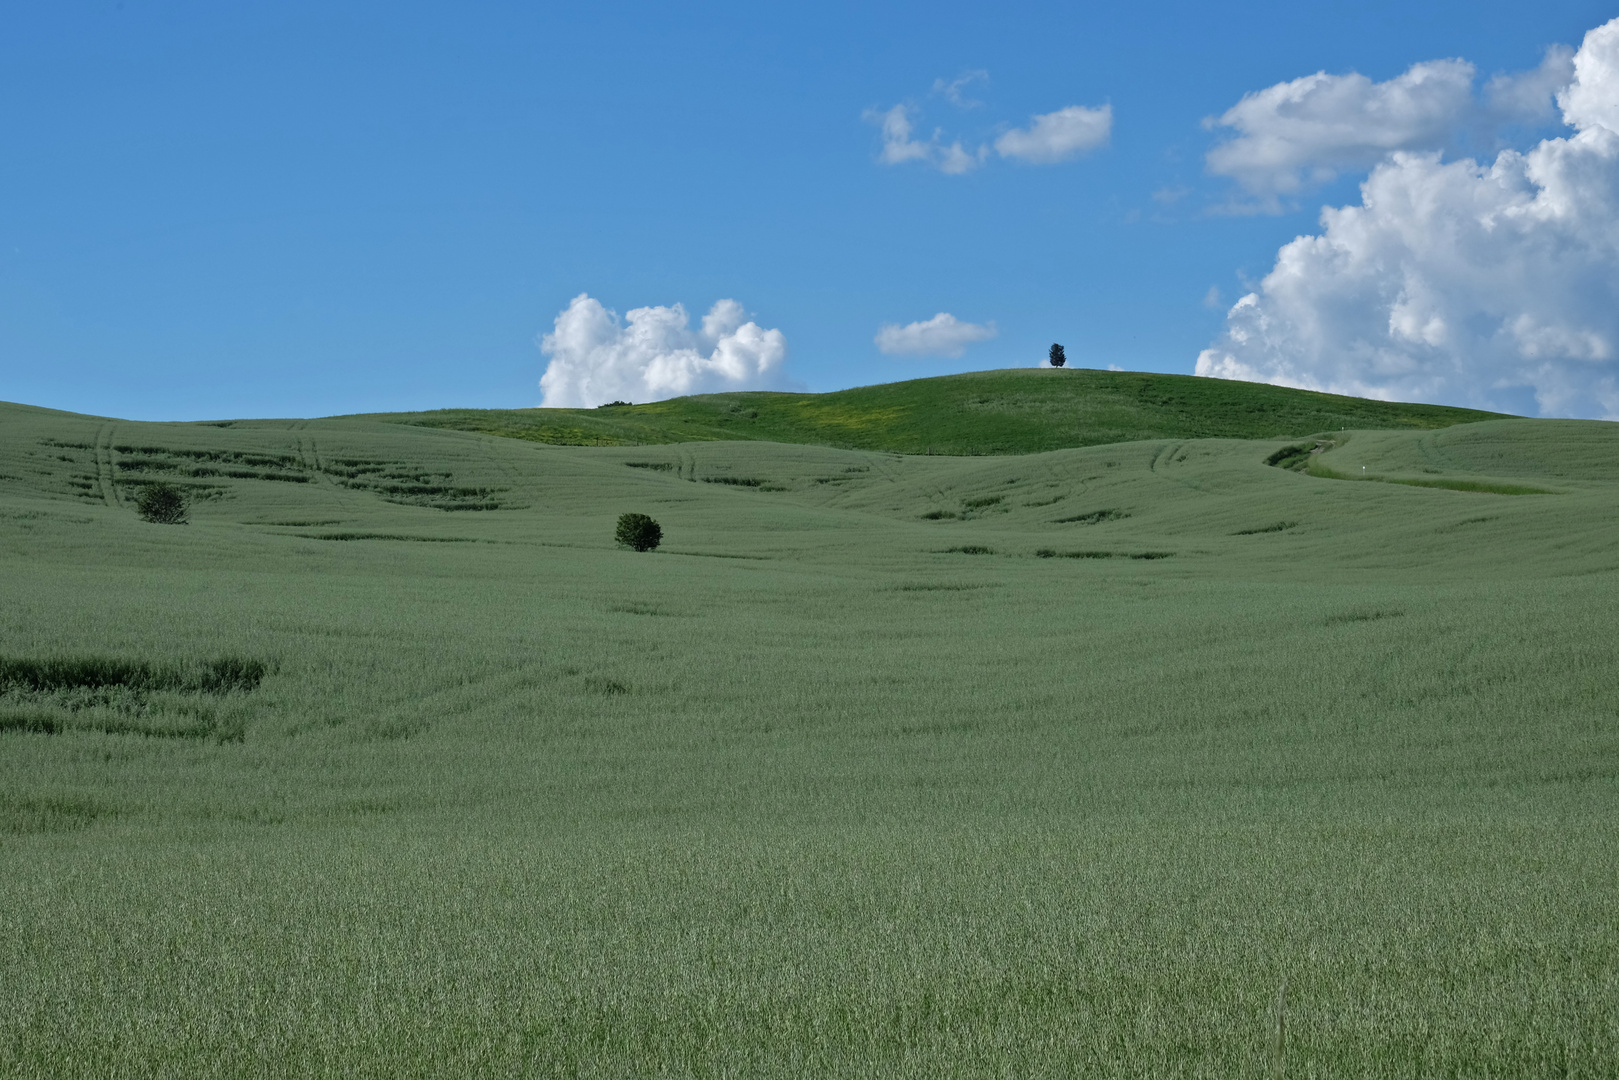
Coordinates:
1015 411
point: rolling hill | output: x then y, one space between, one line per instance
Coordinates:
1014 411
1181 756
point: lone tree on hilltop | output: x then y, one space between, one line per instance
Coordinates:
639 532
1057 357
161 505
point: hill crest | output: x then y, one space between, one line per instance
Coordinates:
1009 411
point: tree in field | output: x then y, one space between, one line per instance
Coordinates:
1057 357
161 505
639 532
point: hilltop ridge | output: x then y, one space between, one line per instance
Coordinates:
1010 411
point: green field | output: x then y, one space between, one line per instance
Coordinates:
1140 759
1014 411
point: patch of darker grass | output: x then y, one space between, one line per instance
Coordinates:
1050 553
735 481
641 609
365 807
1363 615
938 727
394 728
1280 526
1483 487
185 723
32 721
656 466
229 457
938 515
609 687
1095 517
1291 457
21 815
717 555
939 586
222 675
967 549
1465 522
348 536
987 500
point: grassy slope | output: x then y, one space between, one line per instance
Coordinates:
805 793
1016 411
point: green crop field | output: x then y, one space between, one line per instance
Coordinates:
1015 411
1267 745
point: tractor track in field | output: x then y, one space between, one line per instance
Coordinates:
104 466
309 457
1163 458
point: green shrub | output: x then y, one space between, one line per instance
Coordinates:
161 504
639 532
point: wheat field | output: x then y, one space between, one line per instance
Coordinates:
1147 759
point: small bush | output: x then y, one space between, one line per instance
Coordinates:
161 504
639 532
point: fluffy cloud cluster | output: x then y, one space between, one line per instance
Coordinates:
942 335
654 354
1492 285
1298 134
1049 138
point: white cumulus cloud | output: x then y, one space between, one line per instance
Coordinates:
1493 285
942 335
1058 136
1295 135
654 354
1304 132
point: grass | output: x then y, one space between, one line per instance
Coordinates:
66 673
1014 411
799 794
113 695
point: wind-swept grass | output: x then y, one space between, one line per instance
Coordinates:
802 795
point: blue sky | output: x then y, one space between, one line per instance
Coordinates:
304 209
